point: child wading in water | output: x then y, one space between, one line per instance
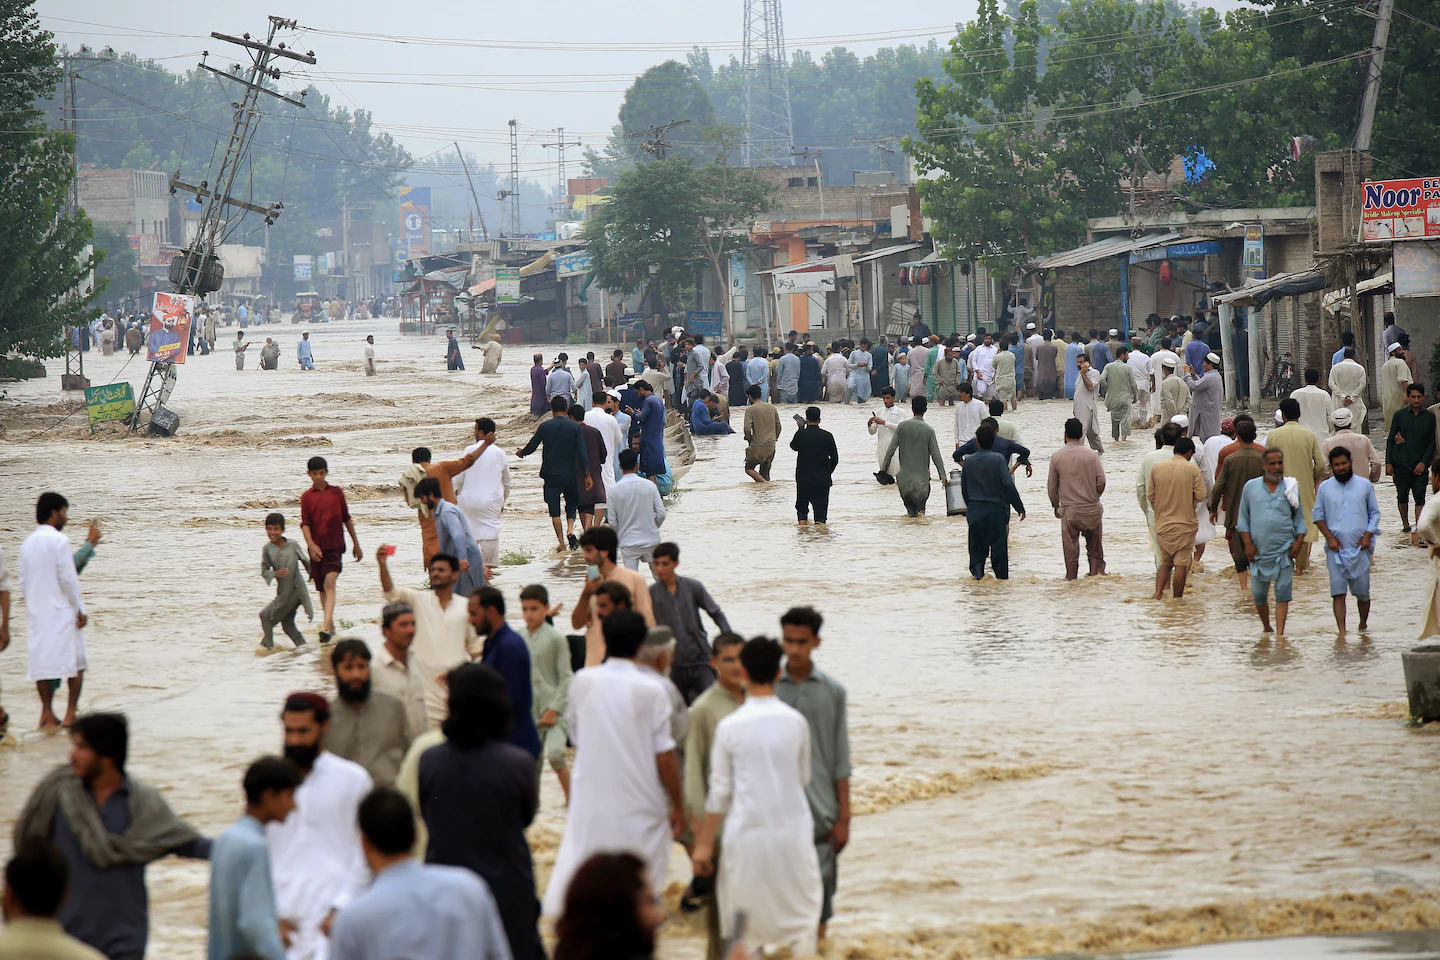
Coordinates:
282 561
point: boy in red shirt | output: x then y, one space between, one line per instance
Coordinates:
324 518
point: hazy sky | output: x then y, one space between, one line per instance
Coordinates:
558 63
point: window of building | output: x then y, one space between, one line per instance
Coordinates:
797 182
812 182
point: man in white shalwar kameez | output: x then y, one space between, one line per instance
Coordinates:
1316 405
54 609
759 767
609 429
625 764
1144 371
481 491
882 426
1164 363
982 368
968 414
316 861
1347 386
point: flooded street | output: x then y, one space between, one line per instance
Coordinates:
1038 765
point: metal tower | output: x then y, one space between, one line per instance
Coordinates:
769 130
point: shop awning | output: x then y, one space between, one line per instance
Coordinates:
1261 292
484 286
1336 300
1100 250
885 252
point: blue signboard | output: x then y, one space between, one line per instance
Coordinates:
706 322
1176 251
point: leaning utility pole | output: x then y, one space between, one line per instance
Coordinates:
1371 93
484 231
197 270
653 139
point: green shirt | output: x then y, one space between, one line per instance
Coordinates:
712 706
550 670
1411 439
821 700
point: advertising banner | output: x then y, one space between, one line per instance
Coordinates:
705 322
1417 269
572 264
1252 258
737 282
415 220
507 284
806 281
169 328
1400 209
302 266
113 401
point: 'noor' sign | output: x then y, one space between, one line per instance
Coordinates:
1400 209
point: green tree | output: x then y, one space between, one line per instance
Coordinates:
671 218
43 259
664 93
117 270
995 196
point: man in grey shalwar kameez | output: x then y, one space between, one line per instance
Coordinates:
1207 391
917 447
286 564
1118 379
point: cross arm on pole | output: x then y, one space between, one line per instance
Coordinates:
200 190
253 86
276 51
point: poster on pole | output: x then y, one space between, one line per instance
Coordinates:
112 401
1400 209
737 282
1252 262
169 327
507 284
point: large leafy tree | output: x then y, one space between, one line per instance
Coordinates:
43 257
668 218
995 193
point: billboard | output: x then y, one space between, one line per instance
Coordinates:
806 281
1417 269
704 322
1400 209
572 264
169 327
507 284
113 401
1252 259
302 266
415 220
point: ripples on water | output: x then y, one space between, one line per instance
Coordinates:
1044 764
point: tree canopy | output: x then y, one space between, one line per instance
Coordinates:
43 259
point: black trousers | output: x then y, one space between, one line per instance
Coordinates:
988 522
692 680
814 496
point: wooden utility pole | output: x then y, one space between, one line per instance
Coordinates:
1370 96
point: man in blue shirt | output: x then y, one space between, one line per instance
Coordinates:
1347 339
989 494
1273 530
508 655
702 416
303 354
412 910
453 359
652 430
1348 517
243 918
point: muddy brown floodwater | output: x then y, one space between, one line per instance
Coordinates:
1038 765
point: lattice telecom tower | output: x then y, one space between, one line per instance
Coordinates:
769 131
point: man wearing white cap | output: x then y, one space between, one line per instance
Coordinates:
1206 393
1157 364
1394 379
1174 392
1316 405
1347 385
1364 460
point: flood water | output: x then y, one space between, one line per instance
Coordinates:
1038 765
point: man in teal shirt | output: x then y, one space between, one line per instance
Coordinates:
243 918
1273 528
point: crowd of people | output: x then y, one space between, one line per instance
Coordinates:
393 823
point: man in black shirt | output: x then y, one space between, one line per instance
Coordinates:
735 370
815 460
563 462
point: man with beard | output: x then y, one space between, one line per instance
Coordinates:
1348 517
443 637
1273 529
315 856
506 653
108 826
366 726
54 609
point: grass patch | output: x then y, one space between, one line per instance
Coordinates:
514 558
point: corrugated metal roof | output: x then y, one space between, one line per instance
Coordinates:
1100 250
802 265
885 252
